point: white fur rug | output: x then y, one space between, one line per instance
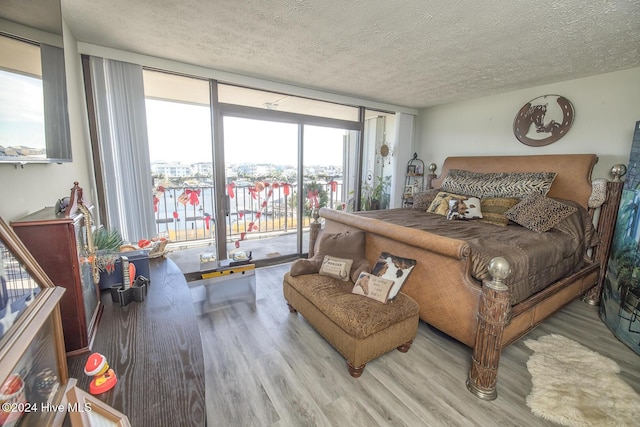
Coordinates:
575 386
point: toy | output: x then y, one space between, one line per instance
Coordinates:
104 378
12 400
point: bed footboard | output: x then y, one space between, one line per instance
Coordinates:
441 281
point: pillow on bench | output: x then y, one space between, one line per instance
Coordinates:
348 244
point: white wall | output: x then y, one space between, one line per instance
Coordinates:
26 190
606 108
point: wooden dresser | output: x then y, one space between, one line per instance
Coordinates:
58 244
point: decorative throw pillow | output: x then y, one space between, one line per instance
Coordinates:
348 245
464 208
395 268
498 184
422 200
440 204
539 213
493 209
598 193
373 287
338 268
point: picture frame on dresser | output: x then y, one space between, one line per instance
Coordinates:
33 367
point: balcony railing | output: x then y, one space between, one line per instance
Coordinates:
186 213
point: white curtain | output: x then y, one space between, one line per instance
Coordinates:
118 92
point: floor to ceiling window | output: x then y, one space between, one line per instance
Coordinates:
261 169
272 190
179 131
278 157
290 155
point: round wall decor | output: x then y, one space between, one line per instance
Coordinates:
543 120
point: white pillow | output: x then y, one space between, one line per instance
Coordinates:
337 268
464 208
373 287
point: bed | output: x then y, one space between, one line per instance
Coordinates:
446 283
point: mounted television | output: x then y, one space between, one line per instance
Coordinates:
34 125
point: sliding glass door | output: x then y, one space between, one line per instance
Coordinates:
271 193
243 170
261 170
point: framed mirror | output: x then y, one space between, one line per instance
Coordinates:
33 367
34 125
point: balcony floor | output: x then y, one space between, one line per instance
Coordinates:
265 250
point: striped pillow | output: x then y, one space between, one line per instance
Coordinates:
493 209
500 184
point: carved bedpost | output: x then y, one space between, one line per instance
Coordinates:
431 175
314 229
493 314
606 227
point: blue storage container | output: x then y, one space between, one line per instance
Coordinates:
139 258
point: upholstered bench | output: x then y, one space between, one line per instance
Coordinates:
360 328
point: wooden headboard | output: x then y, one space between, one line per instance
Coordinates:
573 181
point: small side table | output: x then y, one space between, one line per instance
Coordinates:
222 286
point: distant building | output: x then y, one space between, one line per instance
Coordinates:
203 168
171 170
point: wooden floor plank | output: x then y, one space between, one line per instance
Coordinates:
268 367
287 393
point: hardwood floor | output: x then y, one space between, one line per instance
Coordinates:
267 367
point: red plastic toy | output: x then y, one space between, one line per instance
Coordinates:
104 379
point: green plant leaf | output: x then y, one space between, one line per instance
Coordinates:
107 240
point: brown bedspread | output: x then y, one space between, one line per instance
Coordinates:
537 259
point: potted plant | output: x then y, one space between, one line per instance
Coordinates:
107 243
376 196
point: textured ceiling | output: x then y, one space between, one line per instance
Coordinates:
40 14
413 53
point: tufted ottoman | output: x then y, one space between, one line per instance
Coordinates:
360 328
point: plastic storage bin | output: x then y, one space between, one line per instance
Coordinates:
139 258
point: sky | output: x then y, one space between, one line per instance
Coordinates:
21 111
181 133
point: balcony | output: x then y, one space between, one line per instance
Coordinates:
256 210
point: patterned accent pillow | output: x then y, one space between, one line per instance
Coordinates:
440 204
338 268
598 193
464 208
493 209
422 200
373 287
539 213
500 184
395 268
